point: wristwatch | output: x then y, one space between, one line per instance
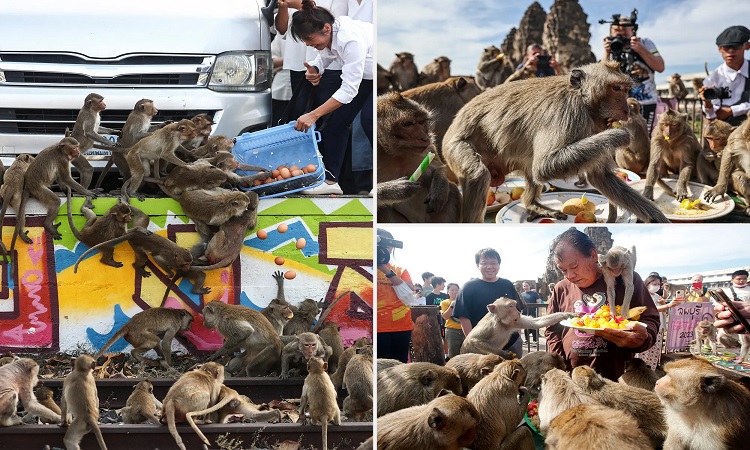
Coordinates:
390 275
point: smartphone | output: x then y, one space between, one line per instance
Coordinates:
721 297
679 293
698 286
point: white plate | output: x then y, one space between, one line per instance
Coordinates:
507 186
671 207
515 212
569 323
569 183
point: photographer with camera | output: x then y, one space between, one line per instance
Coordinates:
726 91
537 64
638 57
395 295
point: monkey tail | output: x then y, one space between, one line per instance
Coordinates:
3 249
223 263
110 242
325 433
73 228
94 426
172 285
169 413
104 173
120 333
20 215
216 407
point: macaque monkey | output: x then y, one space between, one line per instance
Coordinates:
17 381
731 340
137 126
705 334
81 401
86 131
161 144
319 394
448 422
111 225
50 165
367 445
638 374
8 359
338 376
203 123
537 364
214 207
304 316
193 391
296 354
213 146
715 136
153 328
677 88
404 138
643 405
559 393
385 363
11 190
278 312
494 330
444 99
635 156
674 148
578 427
471 368
496 133
358 383
331 337
437 71
170 257
208 173
239 406
735 165
142 406
245 329
704 409
404 72
46 398
492 69
385 80
619 262
501 401
413 384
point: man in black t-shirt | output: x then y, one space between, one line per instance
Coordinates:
530 296
437 295
472 301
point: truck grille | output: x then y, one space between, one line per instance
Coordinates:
54 121
68 78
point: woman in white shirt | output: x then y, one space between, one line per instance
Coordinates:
350 43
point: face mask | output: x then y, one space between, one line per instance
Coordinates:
653 288
739 286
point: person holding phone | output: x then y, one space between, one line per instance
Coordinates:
697 292
536 64
739 290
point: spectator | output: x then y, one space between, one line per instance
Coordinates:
725 320
739 291
530 296
584 290
419 297
732 74
437 295
472 301
653 284
349 43
697 292
645 60
536 64
281 87
454 335
393 312
427 277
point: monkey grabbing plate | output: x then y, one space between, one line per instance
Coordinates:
515 212
569 184
671 207
505 189
569 323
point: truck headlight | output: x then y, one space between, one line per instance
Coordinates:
241 71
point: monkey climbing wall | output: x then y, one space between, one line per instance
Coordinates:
46 307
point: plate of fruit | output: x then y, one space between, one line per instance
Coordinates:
580 208
602 318
576 184
691 209
510 190
532 415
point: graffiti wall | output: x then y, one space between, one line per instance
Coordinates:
46 305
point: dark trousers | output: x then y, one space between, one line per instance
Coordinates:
649 113
394 345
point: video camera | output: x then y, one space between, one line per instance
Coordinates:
619 46
716 93
383 243
542 62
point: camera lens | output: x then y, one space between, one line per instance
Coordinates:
712 93
615 45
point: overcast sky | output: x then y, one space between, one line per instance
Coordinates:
448 250
684 31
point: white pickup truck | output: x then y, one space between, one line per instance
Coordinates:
188 57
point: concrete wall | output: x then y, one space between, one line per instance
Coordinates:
45 307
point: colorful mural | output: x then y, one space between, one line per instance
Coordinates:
46 306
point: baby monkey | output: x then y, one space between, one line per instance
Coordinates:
619 261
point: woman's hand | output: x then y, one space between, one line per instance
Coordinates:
305 121
312 74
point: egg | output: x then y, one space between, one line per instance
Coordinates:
301 242
275 173
285 173
262 234
294 167
310 168
268 180
257 183
296 173
279 260
282 228
290 275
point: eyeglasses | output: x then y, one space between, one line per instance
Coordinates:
418 291
489 263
